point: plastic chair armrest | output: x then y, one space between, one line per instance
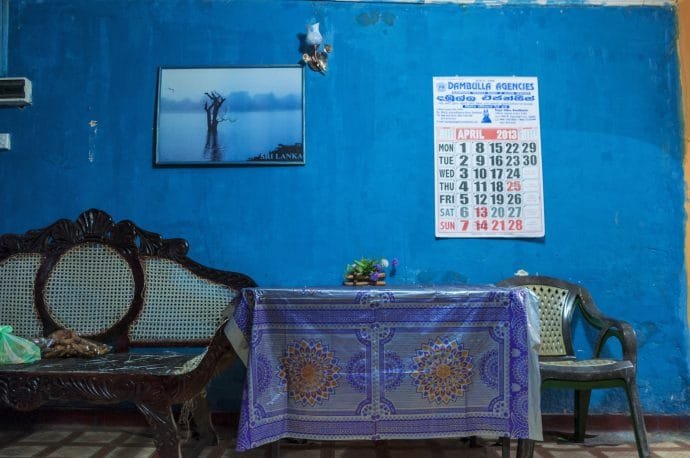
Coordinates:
609 327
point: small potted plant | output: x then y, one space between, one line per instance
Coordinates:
367 271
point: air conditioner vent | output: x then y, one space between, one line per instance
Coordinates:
15 92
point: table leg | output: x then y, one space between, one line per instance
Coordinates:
381 449
275 449
505 447
525 448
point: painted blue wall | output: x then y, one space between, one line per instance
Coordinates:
611 138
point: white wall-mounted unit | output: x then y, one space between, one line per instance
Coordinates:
15 92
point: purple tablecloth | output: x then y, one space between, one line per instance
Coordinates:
334 364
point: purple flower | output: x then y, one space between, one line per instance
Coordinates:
377 268
374 276
395 262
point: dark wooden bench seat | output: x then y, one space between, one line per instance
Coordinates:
117 284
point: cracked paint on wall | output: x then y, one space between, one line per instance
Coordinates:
92 139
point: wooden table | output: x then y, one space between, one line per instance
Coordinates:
377 364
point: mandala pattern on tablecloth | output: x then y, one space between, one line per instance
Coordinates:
521 372
262 373
241 317
442 370
499 406
393 370
488 368
499 331
309 372
357 370
519 418
519 336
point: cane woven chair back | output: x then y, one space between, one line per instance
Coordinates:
17 275
178 304
90 289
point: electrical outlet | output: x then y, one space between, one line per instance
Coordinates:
5 142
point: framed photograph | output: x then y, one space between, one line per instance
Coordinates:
225 116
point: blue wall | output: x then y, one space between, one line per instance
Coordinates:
611 139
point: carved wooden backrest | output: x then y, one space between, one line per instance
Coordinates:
115 283
90 288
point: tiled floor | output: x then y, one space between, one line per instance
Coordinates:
135 442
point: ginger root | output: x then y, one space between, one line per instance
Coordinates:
67 343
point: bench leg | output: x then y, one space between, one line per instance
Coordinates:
202 430
161 420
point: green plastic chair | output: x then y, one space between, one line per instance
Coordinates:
557 363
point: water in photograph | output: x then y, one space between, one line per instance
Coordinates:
242 136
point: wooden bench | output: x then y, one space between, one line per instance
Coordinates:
120 285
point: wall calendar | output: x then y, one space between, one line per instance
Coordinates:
487 159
